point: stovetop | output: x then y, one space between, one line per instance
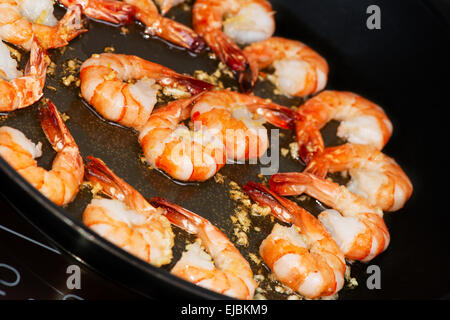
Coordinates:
32 268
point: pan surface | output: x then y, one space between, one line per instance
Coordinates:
391 66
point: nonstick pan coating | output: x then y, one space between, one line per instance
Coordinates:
371 63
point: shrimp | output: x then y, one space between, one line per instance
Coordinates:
229 274
234 117
186 155
356 225
105 85
166 5
61 183
374 175
21 21
127 219
362 122
304 256
246 21
112 11
146 12
299 70
22 91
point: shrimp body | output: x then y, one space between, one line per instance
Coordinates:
112 11
223 23
362 122
22 91
184 154
127 219
375 176
304 256
238 120
105 85
21 21
356 225
230 274
299 70
61 183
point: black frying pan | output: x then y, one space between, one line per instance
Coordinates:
398 67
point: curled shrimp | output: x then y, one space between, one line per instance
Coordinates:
25 90
362 122
62 182
356 225
17 29
299 70
238 119
112 11
223 23
168 29
127 219
230 274
374 175
184 154
304 256
105 85
145 11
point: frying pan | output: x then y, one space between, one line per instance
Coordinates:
398 66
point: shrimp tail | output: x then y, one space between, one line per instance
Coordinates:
310 141
177 34
194 86
277 115
234 58
247 79
38 63
284 209
178 216
97 172
290 183
112 11
281 208
320 170
70 26
54 128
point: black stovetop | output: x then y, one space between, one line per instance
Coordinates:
32 268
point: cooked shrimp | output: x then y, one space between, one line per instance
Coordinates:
21 20
112 11
304 256
186 155
146 12
104 85
238 120
362 122
229 273
17 91
356 225
246 21
374 175
127 219
61 183
166 5
299 70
